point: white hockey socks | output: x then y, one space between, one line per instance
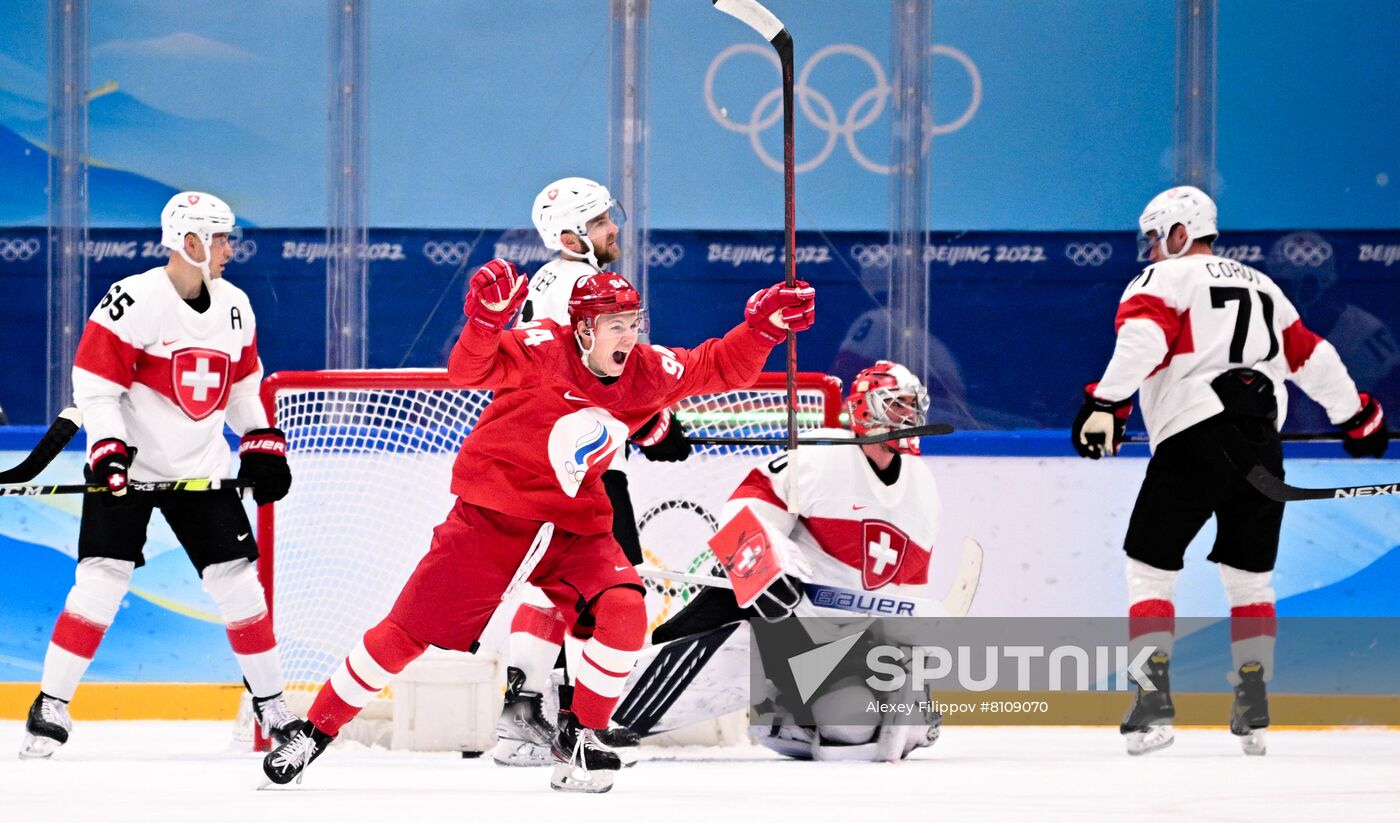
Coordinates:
536 634
99 585
235 588
1253 620
1151 615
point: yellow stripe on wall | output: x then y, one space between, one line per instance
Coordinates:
133 701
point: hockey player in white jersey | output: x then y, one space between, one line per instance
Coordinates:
167 358
866 520
575 217
1207 344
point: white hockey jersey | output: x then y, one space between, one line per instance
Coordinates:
550 289
1183 322
162 377
854 531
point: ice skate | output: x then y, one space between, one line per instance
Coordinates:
523 735
46 729
1148 724
1249 717
277 722
581 762
287 762
623 741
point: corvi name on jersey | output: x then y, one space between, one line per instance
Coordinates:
580 440
829 598
311 252
1378 253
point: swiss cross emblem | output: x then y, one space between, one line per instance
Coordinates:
552 193
193 198
199 380
750 554
885 548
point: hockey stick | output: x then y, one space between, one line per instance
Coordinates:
1269 485
60 432
931 430
193 484
955 604
752 14
1287 437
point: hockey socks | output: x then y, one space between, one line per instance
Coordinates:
607 657
383 652
235 588
536 634
98 588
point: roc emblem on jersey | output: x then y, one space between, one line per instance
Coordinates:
885 547
581 440
199 380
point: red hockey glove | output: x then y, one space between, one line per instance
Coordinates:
777 309
1366 432
496 292
108 464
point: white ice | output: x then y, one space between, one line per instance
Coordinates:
188 772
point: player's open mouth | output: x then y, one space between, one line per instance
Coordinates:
620 357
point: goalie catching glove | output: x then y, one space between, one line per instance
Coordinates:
497 291
262 461
776 310
662 438
1100 425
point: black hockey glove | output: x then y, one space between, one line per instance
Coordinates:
108 464
1097 429
262 461
1366 432
662 438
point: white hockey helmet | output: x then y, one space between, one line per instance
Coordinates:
200 214
568 205
1186 205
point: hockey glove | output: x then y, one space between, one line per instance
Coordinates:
1366 432
262 461
774 311
662 439
108 464
1100 425
497 291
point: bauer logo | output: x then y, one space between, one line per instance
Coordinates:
581 441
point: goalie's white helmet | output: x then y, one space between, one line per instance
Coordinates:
197 213
1186 205
568 205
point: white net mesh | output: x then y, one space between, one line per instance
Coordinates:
371 456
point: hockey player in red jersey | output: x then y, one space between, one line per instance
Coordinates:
530 503
1207 343
167 358
866 518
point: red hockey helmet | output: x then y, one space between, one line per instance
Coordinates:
603 293
887 397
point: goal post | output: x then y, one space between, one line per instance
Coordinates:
371 454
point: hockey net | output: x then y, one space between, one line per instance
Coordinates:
371 454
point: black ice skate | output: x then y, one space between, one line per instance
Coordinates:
277 722
1249 717
1148 724
524 736
47 727
623 741
287 762
581 762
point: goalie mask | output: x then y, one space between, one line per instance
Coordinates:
1186 205
888 397
200 214
600 295
567 205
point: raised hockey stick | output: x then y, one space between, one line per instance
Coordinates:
931 430
956 604
753 14
193 484
60 432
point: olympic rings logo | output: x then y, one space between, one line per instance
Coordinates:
446 253
1089 254
664 255
244 251
871 256
820 112
1305 253
19 249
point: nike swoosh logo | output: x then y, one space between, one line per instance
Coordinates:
570 396
856 508
169 342
621 568
243 536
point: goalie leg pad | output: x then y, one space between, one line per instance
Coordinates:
99 585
